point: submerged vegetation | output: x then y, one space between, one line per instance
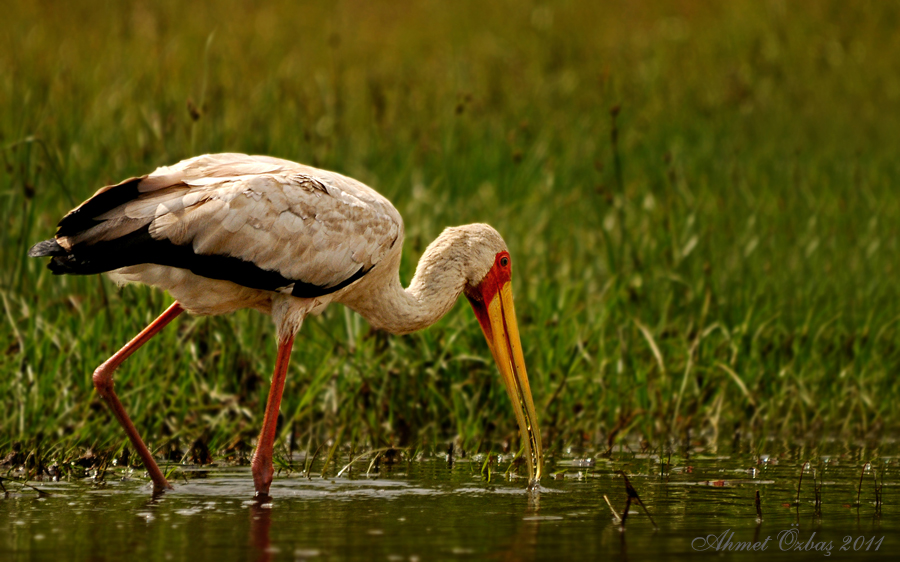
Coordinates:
700 201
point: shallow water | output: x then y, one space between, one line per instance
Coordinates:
434 510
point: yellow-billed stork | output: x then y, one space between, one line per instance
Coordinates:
222 232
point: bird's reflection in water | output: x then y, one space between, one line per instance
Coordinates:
524 543
260 524
533 505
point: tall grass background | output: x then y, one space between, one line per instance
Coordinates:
700 200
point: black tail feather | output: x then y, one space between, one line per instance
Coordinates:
81 259
47 248
67 264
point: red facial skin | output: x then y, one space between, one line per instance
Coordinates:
482 295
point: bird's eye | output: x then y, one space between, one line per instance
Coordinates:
504 261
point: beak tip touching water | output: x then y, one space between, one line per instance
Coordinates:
497 317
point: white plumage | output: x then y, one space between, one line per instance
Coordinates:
308 225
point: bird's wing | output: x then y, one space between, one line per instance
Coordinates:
258 221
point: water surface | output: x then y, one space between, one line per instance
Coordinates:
435 510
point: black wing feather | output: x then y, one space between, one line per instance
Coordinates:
139 247
84 216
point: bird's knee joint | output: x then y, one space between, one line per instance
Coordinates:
103 380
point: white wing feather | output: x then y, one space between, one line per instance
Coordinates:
307 224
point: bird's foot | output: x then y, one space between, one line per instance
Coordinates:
263 472
161 488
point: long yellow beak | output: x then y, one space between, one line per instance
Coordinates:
506 348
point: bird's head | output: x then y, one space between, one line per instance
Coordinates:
489 291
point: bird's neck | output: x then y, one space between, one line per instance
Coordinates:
435 288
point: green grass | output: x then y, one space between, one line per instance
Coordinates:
720 263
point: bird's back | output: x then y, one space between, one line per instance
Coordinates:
257 222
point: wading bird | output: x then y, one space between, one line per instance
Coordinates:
222 232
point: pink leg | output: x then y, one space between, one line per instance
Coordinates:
261 465
103 382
